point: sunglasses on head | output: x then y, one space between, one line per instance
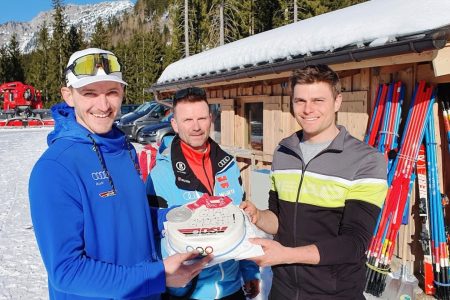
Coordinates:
89 64
192 91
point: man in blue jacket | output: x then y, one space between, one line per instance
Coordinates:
191 166
89 209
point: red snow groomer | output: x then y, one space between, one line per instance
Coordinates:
22 106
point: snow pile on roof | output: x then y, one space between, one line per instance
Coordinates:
376 22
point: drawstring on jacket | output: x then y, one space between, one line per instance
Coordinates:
103 164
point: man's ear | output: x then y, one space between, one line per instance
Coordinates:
174 124
66 93
338 102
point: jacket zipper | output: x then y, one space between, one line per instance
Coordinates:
304 167
211 190
295 220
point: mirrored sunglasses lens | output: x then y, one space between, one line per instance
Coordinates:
87 65
195 91
113 63
84 65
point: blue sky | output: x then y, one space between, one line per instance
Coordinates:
26 10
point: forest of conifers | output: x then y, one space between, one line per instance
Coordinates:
150 37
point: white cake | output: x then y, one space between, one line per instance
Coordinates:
209 225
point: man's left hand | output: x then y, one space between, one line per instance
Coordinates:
251 288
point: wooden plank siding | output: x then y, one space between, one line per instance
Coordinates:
360 81
353 113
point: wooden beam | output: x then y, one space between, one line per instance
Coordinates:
376 62
386 61
425 56
441 63
395 68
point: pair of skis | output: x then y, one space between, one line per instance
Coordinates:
382 245
446 118
434 231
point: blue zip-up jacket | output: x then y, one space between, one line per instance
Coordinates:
167 189
95 235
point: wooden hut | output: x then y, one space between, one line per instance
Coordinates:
368 44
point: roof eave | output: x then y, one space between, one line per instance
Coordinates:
425 42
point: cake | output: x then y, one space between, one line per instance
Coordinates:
208 225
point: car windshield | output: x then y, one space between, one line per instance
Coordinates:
145 107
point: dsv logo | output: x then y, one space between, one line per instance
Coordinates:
99 175
224 161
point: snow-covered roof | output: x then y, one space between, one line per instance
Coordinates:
370 24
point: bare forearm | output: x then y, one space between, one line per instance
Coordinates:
267 221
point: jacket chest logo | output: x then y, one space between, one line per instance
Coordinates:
102 175
222 163
181 167
223 181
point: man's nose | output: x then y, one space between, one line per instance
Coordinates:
102 102
196 125
308 107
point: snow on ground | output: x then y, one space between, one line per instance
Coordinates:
22 274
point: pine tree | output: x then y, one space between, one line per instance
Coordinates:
4 64
174 39
58 52
41 79
100 37
14 63
233 21
75 37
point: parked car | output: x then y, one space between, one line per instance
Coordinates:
125 122
127 108
151 114
154 133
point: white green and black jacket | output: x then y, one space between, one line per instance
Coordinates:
332 202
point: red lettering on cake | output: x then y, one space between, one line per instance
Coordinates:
210 202
203 230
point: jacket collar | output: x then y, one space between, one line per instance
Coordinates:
337 145
67 127
184 176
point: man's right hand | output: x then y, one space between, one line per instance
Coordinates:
179 274
251 211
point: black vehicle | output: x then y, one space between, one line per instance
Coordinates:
149 114
154 133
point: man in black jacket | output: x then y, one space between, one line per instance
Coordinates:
326 194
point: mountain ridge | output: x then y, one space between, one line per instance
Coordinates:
85 15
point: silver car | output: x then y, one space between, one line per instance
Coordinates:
154 133
130 124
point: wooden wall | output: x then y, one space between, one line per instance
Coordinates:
359 87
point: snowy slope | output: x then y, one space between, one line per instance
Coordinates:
22 274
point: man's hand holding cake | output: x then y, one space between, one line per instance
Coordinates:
178 273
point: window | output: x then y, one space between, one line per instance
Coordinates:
216 122
254 117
